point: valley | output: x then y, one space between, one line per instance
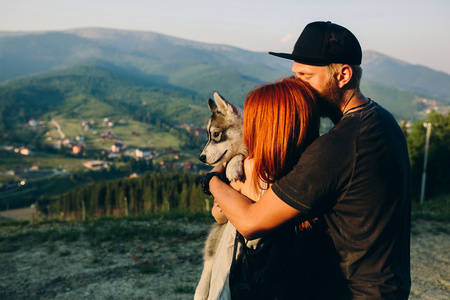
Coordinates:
70 146
86 105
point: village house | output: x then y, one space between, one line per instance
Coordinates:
108 136
86 125
25 151
78 149
194 129
96 165
68 143
188 165
117 147
20 172
169 150
143 153
200 131
33 123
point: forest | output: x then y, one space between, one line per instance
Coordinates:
438 162
151 193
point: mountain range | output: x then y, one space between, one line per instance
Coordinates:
97 71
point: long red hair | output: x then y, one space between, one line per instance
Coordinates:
280 120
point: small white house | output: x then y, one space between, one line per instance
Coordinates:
117 147
142 153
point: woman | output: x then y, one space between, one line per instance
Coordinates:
280 120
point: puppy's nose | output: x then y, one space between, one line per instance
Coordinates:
202 158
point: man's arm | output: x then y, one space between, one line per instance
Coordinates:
251 219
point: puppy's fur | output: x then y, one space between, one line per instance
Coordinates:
225 145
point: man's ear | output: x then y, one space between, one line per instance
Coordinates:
344 75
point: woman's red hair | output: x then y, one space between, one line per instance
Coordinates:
280 121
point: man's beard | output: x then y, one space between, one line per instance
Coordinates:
330 101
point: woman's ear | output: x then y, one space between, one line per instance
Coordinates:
344 75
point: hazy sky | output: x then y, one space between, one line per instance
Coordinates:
411 30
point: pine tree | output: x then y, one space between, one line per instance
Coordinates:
184 198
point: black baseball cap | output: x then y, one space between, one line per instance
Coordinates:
322 43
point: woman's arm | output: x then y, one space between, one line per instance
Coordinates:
251 219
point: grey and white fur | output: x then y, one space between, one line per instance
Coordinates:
225 145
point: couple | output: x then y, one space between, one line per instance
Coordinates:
355 178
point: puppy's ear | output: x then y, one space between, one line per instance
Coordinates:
223 105
212 106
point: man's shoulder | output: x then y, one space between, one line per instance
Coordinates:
341 134
372 117
376 111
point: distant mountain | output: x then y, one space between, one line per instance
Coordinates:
382 69
169 49
28 54
201 68
192 69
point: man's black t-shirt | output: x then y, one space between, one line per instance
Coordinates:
357 176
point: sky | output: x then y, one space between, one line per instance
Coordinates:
415 31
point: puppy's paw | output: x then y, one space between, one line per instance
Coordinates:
235 168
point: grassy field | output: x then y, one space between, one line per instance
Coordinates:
132 134
6 178
41 159
435 209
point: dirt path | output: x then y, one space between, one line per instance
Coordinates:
58 128
430 261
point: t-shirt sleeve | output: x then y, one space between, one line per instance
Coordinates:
322 172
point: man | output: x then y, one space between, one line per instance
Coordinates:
356 177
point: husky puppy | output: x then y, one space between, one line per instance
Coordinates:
225 145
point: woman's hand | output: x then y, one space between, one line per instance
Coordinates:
248 167
218 214
220 169
248 188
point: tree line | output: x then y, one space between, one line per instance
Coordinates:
150 193
438 162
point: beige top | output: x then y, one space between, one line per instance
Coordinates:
219 287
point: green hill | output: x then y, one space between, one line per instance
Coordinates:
402 104
92 91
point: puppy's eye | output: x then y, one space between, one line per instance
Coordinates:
216 134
